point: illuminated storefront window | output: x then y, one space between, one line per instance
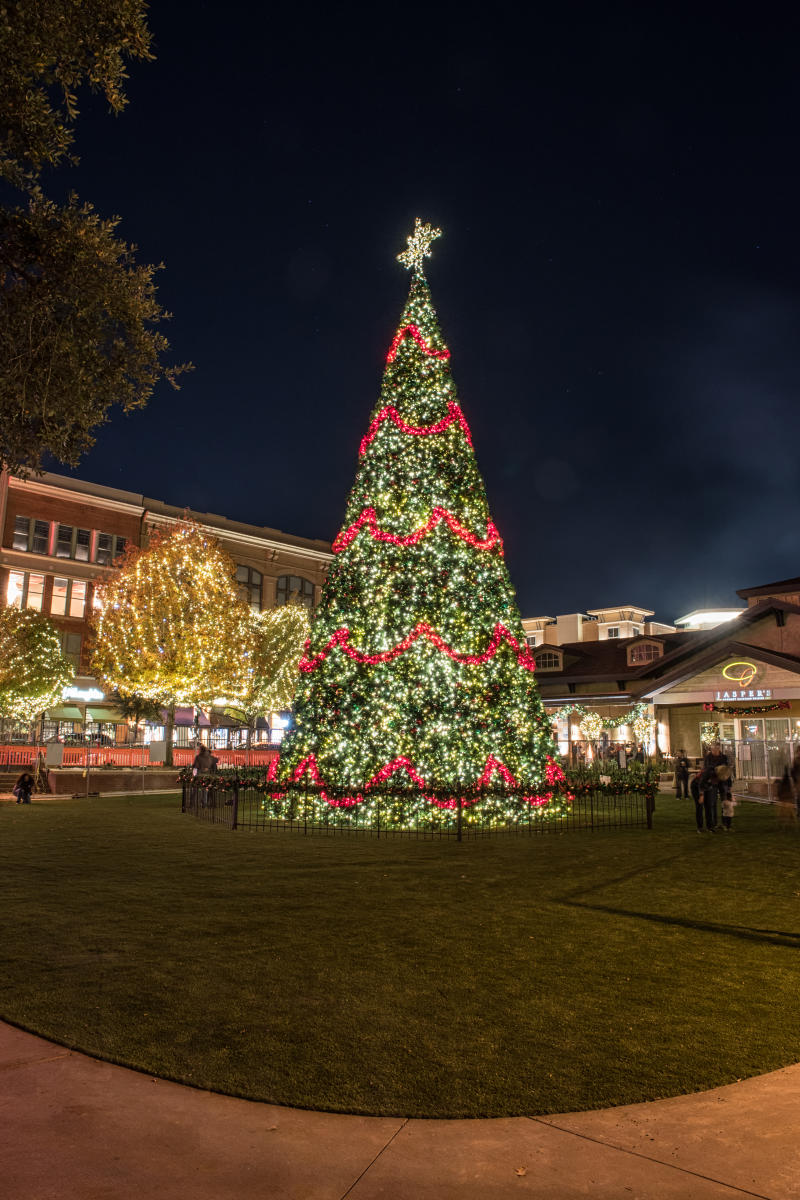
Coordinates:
25 590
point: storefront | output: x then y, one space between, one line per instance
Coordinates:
749 700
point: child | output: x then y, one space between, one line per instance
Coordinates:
728 805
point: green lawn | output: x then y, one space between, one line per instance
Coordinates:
497 977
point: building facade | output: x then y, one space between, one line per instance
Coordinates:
738 681
60 538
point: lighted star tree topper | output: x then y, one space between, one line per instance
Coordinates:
417 691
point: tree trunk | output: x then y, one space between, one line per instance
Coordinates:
168 733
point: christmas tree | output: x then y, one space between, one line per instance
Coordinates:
417 689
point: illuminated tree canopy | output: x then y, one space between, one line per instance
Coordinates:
33 668
266 673
172 621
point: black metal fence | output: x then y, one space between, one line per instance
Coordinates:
248 808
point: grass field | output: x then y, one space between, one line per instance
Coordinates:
496 977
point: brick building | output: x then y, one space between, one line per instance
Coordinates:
60 537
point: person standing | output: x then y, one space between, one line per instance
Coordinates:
728 806
681 775
794 775
701 788
717 761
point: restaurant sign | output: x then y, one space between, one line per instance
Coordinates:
743 673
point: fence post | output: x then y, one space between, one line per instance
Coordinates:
650 809
235 813
183 796
458 818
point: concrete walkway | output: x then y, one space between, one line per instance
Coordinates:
74 1128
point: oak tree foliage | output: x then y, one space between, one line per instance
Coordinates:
79 318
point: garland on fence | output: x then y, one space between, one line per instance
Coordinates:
638 717
752 711
604 779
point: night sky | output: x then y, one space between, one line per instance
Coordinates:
618 280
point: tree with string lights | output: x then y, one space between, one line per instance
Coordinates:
33 668
264 677
417 690
171 622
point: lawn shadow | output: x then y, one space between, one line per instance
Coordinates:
773 937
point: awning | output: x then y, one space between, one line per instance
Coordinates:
105 714
64 712
185 716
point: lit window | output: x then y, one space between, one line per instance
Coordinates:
293 588
249 582
69 598
15 590
644 652
549 660
77 598
25 590
613 631
35 591
58 605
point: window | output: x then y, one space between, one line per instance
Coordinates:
69 598
636 631
64 541
25 590
109 547
530 639
249 582
22 527
644 652
299 591
40 542
614 631
31 535
73 543
58 604
549 660
83 541
71 645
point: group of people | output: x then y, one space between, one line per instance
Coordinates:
711 788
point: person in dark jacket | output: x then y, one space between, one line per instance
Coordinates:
702 787
681 775
23 788
717 761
